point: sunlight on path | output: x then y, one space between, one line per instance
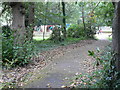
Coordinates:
103 36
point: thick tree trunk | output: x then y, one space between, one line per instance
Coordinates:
18 24
64 20
116 36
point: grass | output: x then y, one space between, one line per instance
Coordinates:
110 38
48 44
39 38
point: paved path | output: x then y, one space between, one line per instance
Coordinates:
66 66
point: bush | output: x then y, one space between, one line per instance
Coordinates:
90 30
7 44
75 31
6 31
14 54
110 78
56 35
106 77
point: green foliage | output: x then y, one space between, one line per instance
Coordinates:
75 31
108 73
8 85
49 44
104 13
7 43
106 77
6 31
91 53
90 29
15 54
56 35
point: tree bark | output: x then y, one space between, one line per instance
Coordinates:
31 14
116 36
83 18
64 20
31 20
45 25
18 24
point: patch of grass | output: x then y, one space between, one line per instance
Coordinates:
40 38
44 45
7 85
48 44
72 40
110 38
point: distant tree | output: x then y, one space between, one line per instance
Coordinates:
64 19
82 5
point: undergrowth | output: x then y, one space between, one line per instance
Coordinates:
49 44
104 77
14 53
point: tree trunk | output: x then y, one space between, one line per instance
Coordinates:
64 20
116 36
18 23
31 20
83 18
45 25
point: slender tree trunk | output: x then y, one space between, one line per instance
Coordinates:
59 9
45 25
44 32
64 20
116 36
31 19
83 18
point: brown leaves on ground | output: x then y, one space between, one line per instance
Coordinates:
19 74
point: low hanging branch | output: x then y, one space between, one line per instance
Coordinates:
95 6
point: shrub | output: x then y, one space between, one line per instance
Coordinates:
106 77
75 31
56 35
15 54
7 44
6 31
90 30
110 78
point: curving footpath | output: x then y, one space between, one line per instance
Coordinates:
63 68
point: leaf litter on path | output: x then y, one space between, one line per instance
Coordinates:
20 74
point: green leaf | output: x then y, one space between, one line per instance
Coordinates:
91 53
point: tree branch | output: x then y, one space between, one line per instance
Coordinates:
96 6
